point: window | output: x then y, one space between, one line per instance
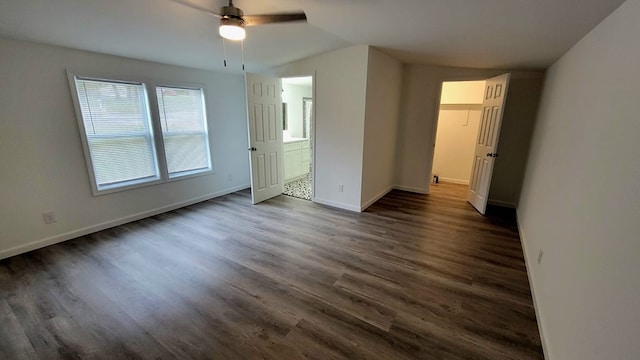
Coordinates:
127 146
118 131
184 130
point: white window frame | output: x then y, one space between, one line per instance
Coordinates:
188 173
156 131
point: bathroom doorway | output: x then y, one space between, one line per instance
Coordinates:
297 121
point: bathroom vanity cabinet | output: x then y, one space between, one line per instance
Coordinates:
297 159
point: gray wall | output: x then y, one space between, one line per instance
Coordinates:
418 116
515 137
41 158
580 201
382 113
340 97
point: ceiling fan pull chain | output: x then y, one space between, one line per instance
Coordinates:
242 46
224 50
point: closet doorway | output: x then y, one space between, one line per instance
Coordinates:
467 134
457 130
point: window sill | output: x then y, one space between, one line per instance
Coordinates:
127 185
189 174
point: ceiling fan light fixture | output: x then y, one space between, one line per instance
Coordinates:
232 29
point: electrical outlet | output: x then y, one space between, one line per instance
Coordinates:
340 188
49 217
540 254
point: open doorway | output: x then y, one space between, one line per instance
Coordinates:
469 110
297 125
457 130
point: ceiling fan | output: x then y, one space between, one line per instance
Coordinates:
233 20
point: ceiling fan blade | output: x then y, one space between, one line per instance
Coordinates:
197 7
253 20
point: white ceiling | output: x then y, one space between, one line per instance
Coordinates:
470 33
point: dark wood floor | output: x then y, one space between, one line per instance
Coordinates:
414 277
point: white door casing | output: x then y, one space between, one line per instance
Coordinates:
264 114
495 95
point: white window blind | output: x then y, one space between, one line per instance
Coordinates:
184 130
118 132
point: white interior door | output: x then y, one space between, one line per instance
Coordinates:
264 108
495 95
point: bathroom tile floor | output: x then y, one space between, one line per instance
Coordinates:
300 188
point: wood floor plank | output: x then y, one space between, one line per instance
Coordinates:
13 339
413 277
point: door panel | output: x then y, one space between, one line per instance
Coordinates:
487 143
261 169
264 103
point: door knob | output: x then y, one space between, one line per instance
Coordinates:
495 155
252 149
489 154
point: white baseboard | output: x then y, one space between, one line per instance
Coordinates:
337 204
545 350
501 203
411 189
364 206
454 181
16 250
